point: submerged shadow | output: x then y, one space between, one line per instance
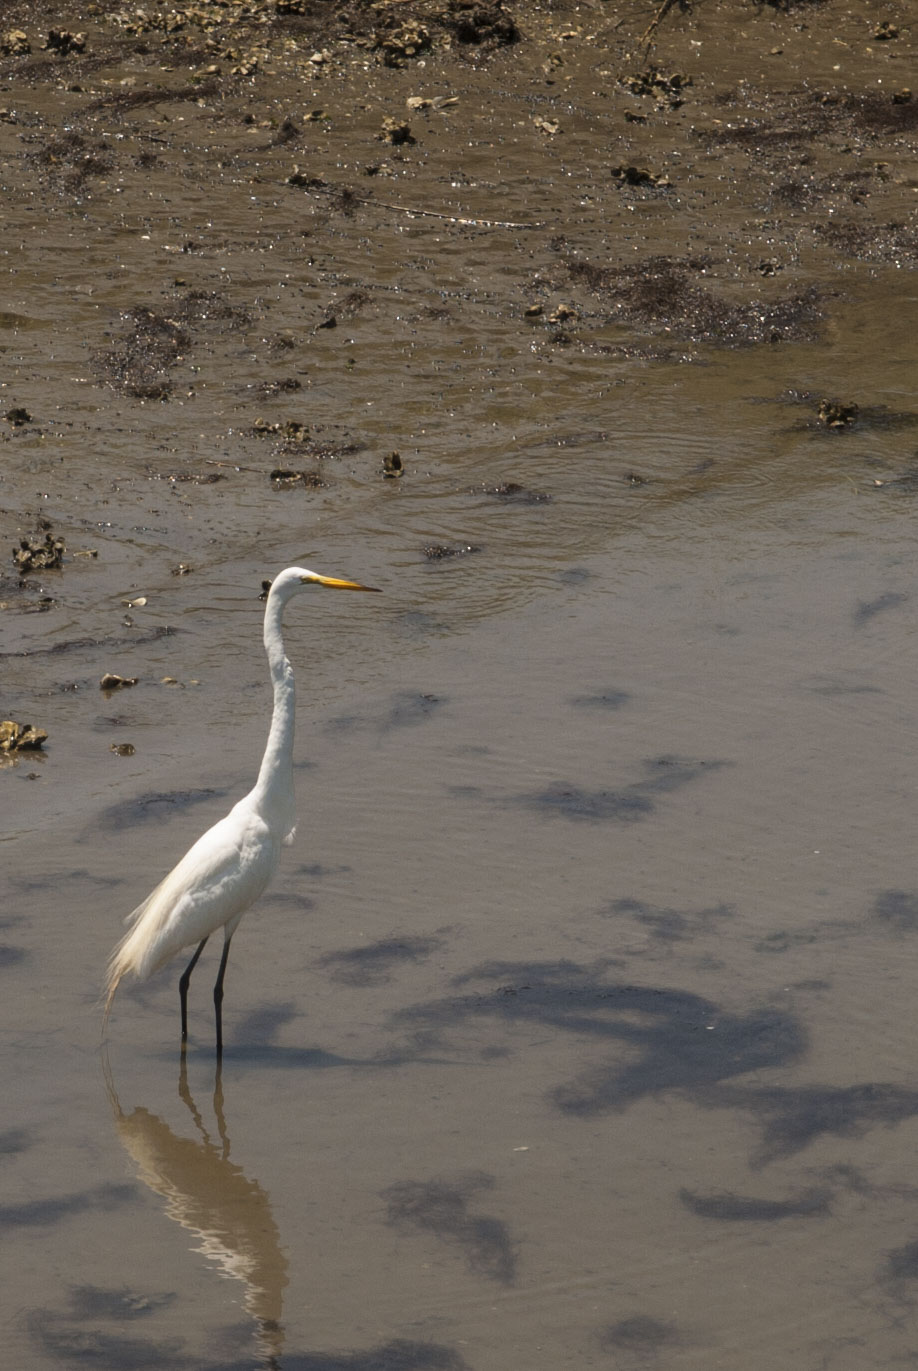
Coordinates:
372 963
673 1039
441 1207
750 1209
227 1213
256 1046
664 1039
624 804
792 1117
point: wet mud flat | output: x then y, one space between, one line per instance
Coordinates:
576 1030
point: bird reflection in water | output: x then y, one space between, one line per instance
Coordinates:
227 1213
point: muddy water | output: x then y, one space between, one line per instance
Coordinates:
576 1030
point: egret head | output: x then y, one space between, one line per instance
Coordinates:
297 578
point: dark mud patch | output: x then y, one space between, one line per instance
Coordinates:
398 34
139 363
72 159
512 493
662 293
152 635
156 341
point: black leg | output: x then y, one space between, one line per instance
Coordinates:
183 989
218 995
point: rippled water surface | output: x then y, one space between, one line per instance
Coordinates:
577 1028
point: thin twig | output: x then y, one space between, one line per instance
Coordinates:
647 36
430 213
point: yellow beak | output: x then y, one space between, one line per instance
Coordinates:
335 583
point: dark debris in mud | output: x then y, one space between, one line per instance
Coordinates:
39 554
665 293
512 493
282 478
438 552
139 363
837 414
157 340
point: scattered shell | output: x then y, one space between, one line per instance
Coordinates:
111 681
15 43
400 44
64 42
437 102
392 465
39 556
638 176
303 178
282 479
20 737
123 749
666 90
396 132
837 413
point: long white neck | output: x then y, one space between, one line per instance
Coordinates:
273 792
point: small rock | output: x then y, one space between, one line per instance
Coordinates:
39 556
396 131
638 176
16 737
392 466
111 681
837 413
15 43
64 42
436 552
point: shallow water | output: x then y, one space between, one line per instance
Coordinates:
576 1029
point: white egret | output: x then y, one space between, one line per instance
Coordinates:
232 863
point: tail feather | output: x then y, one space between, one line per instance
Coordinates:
126 956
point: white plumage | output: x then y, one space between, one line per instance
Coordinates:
233 862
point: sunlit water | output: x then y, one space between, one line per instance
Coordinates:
577 1027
